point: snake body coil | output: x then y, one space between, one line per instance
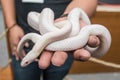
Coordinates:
67 37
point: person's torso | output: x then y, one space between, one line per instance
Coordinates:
110 1
23 8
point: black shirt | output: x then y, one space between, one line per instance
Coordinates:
110 1
22 9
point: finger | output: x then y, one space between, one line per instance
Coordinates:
81 55
45 59
59 58
60 19
14 52
27 44
93 41
16 56
82 24
22 54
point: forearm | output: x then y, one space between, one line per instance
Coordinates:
89 6
8 8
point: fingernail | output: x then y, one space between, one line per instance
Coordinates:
17 58
13 53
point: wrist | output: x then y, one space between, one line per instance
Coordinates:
13 25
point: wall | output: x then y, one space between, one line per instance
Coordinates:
3 43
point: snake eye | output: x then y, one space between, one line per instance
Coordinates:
26 62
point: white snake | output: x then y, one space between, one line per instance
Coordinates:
67 37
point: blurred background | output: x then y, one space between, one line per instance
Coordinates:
107 14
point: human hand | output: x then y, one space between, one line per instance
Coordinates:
58 58
82 54
15 34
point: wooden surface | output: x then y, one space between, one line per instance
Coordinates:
6 74
112 21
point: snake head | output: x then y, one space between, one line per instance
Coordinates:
29 58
